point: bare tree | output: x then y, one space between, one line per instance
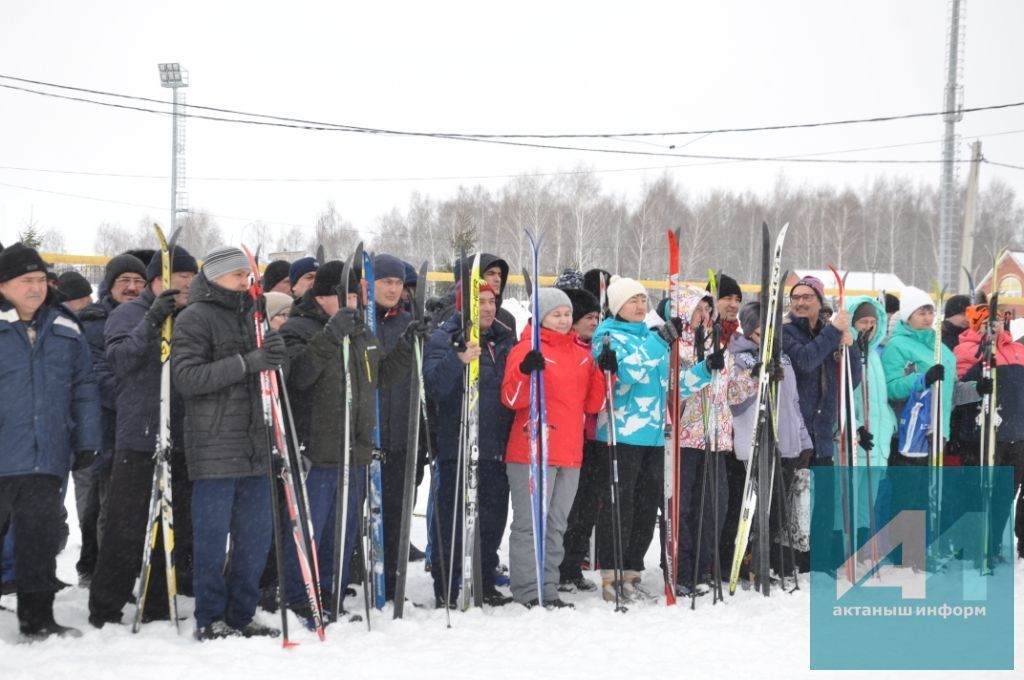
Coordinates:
199 232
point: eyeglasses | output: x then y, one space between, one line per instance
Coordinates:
803 298
129 281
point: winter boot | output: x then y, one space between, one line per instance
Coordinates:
573 585
35 618
216 631
635 590
496 598
609 585
255 629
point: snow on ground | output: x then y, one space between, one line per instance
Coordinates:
747 636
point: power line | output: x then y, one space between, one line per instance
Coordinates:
508 141
1003 165
574 135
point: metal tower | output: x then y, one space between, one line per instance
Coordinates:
175 77
952 104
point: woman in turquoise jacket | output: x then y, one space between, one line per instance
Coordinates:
639 358
909 363
869 324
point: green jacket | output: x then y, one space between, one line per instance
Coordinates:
906 358
882 419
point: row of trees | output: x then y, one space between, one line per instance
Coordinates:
887 225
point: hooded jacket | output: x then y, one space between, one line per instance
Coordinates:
1009 385
94 318
909 354
573 387
49 404
641 382
882 420
728 387
815 357
442 377
793 436
224 426
316 383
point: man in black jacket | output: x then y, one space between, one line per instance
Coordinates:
216 367
443 367
313 335
123 280
132 338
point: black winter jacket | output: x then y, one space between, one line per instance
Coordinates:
224 426
133 355
316 383
442 375
93 319
394 399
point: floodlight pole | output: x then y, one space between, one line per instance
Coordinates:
174 77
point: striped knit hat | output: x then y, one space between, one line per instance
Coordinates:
223 260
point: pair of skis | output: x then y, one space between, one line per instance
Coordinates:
283 452
673 412
762 442
161 513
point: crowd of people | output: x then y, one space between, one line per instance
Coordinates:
80 397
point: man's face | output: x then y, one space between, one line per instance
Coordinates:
804 303
237 281
729 307
492 275
488 309
183 282
586 326
958 320
78 305
304 283
388 291
127 286
328 303
26 292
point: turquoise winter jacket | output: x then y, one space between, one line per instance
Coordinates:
641 382
882 420
907 356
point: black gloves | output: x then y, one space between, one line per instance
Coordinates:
416 330
607 361
345 323
865 438
715 362
983 386
936 372
269 357
162 307
458 341
533 361
83 459
671 330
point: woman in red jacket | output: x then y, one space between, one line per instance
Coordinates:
573 387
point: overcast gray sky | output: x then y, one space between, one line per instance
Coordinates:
478 67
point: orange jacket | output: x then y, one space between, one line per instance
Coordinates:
573 387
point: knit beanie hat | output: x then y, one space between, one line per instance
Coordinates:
911 300
620 289
277 303
592 281
569 279
275 273
727 286
583 303
411 275
122 264
388 267
814 284
956 305
223 260
863 310
73 285
18 260
328 278
750 318
301 267
549 299
181 261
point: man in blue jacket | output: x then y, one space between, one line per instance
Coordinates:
49 423
813 345
447 353
132 340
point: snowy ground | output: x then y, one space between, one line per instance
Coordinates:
748 636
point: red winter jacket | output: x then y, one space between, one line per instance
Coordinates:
573 387
1008 352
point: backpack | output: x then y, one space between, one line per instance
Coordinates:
916 424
